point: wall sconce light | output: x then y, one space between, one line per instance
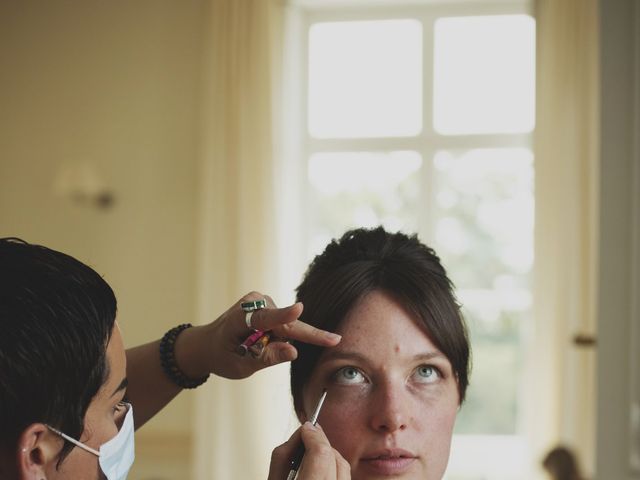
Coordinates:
82 185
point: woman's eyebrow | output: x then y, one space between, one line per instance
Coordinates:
359 357
429 356
344 355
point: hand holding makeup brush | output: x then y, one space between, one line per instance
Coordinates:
321 461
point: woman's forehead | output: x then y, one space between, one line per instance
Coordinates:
378 322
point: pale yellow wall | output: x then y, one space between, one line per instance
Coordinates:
114 85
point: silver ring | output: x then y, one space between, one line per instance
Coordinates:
247 319
250 307
253 305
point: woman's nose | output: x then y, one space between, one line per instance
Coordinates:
389 411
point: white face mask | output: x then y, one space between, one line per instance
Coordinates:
115 456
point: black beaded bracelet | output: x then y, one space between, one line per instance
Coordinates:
168 359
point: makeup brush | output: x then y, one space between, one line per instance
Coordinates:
299 455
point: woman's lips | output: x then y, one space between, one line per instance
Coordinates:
388 462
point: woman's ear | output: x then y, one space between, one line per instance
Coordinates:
37 451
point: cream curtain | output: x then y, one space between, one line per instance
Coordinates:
566 149
237 424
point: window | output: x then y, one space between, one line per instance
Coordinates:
420 118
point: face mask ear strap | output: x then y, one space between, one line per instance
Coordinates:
75 442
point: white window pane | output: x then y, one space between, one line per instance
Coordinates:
484 235
365 79
494 457
362 189
484 74
486 194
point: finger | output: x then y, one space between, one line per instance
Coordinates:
343 469
255 295
303 332
278 352
319 458
281 456
313 435
237 311
271 318
284 322
270 302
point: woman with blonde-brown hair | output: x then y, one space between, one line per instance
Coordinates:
396 380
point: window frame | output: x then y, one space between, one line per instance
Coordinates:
427 142
302 15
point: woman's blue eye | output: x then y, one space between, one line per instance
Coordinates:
348 375
427 373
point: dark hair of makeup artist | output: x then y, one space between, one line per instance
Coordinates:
56 318
365 260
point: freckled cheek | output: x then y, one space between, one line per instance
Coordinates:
436 428
442 424
343 419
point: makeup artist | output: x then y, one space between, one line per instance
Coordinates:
71 396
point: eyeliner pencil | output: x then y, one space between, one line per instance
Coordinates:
299 455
